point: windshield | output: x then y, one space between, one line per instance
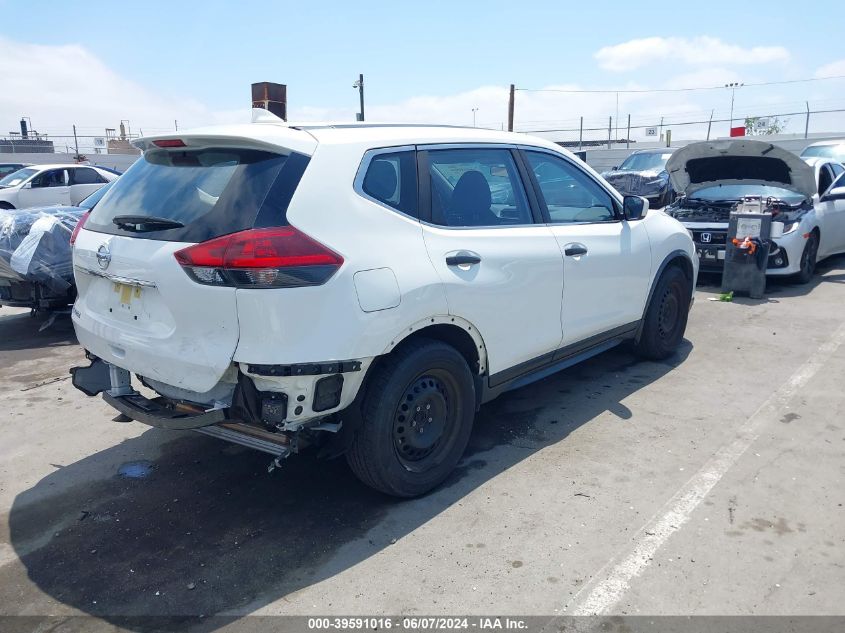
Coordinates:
89 202
647 161
18 177
736 192
825 151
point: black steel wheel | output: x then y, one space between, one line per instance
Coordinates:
666 316
416 419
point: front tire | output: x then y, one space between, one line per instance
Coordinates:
417 416
666 317
808 259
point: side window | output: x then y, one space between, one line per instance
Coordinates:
51 178
837 170
570 195
840 181
825 179
392 179
86 176
476 187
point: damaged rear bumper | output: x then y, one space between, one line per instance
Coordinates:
114 383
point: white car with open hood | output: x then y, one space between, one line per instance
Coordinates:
715 176
362 288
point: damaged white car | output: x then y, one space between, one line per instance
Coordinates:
715 177
362 288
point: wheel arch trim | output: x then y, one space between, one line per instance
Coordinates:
449 320
675 255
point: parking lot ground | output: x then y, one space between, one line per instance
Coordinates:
713 483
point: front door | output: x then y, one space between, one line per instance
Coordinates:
607 261
501 269
48 187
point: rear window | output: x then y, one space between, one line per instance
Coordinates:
211 192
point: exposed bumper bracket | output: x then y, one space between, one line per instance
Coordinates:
156 412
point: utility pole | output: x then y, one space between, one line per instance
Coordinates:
733 86
709 123
360 85
474 110
510 109
75 144
176 124
609 130
617 116
628 135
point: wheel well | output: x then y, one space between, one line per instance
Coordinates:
452 335
6 205
684 264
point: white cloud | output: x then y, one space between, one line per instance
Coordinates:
833 69
59 86
696 51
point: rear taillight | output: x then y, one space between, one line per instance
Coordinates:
280 257
169 142
78 227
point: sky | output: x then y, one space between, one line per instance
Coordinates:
153 63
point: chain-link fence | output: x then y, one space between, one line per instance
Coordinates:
626 130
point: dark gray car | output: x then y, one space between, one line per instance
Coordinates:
644 174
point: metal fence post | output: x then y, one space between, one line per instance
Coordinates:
628 135
609 130
709 123
581 135
807 122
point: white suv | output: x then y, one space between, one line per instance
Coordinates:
364 288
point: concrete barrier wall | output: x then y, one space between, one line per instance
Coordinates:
120 162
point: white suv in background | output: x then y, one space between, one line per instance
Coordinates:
42 185
363 288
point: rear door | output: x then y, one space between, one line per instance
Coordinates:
49 187
137 307
502 270
83 182
607 261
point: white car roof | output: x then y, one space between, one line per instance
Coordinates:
271 132
840 141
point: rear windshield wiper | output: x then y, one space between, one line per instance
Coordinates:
145 223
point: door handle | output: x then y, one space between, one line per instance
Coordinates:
575 250
462 259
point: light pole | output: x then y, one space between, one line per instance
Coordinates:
733 86
360 85
474 110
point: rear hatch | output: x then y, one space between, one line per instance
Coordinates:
168 319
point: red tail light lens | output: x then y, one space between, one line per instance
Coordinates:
169 142
78 227
281 257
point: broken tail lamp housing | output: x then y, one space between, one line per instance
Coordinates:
280 257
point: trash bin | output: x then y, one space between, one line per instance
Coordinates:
747 252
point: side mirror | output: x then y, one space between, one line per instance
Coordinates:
835 193
27 185
634 207
614 168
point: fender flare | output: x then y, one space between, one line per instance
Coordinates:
660 270
446 319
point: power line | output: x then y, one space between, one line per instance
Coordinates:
649 90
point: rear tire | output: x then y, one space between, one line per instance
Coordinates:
417 416
666 317
808 259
